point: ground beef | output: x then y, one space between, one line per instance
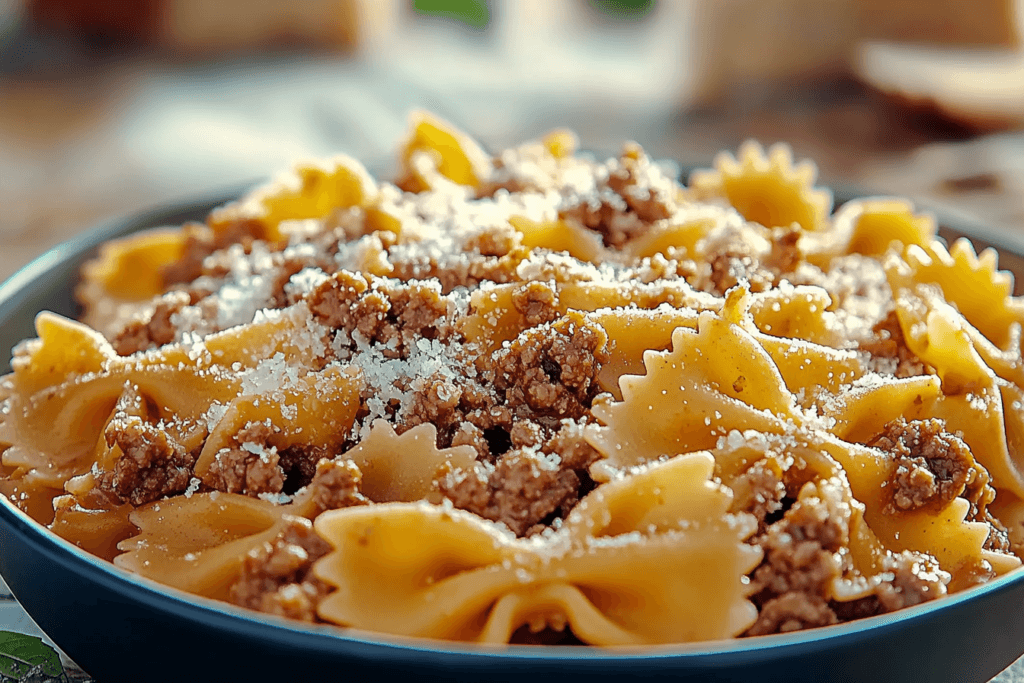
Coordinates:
786 254
552 369
759 491
199 243
469 270
628 200
792 584
333 301
336 485
392 315
527 434
250 466
299 465
417 312
279 295
483 406
998 535
632 180
734 264
156 330
468 434
395 319
662 267
887 342
276 577
607 214
152 464
537 302
755 256
438 404
792 612
520 491
916 578
932 466
792 588
519 395
465 413
571 446
478 408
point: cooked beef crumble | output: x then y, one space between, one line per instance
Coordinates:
336 485
792 585
634 195
551 369
915 579
250 465
932 466
805 554
520 491
152 464
534 483
276 576
760 491
887 342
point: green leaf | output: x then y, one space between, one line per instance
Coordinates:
22 655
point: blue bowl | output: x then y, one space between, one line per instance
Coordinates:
121 627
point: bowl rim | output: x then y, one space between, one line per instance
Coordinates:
197 608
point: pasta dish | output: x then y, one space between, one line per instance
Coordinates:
534 397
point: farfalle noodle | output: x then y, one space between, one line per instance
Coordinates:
766 188
491 584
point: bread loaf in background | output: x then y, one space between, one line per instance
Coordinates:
745 43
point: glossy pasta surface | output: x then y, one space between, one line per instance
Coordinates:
534 397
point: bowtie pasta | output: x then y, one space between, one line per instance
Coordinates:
535 398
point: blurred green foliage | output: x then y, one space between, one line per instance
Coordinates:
477 13
627 9
472 13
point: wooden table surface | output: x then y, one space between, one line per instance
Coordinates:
122 136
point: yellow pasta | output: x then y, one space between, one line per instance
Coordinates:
571 238
130 268
800 313
533 397
860 412
697 404
197 544
310 190
435 148
404 468
768 189
968 281
492 584
971 400
685 235
870 226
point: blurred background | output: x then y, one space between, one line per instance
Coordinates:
112 106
